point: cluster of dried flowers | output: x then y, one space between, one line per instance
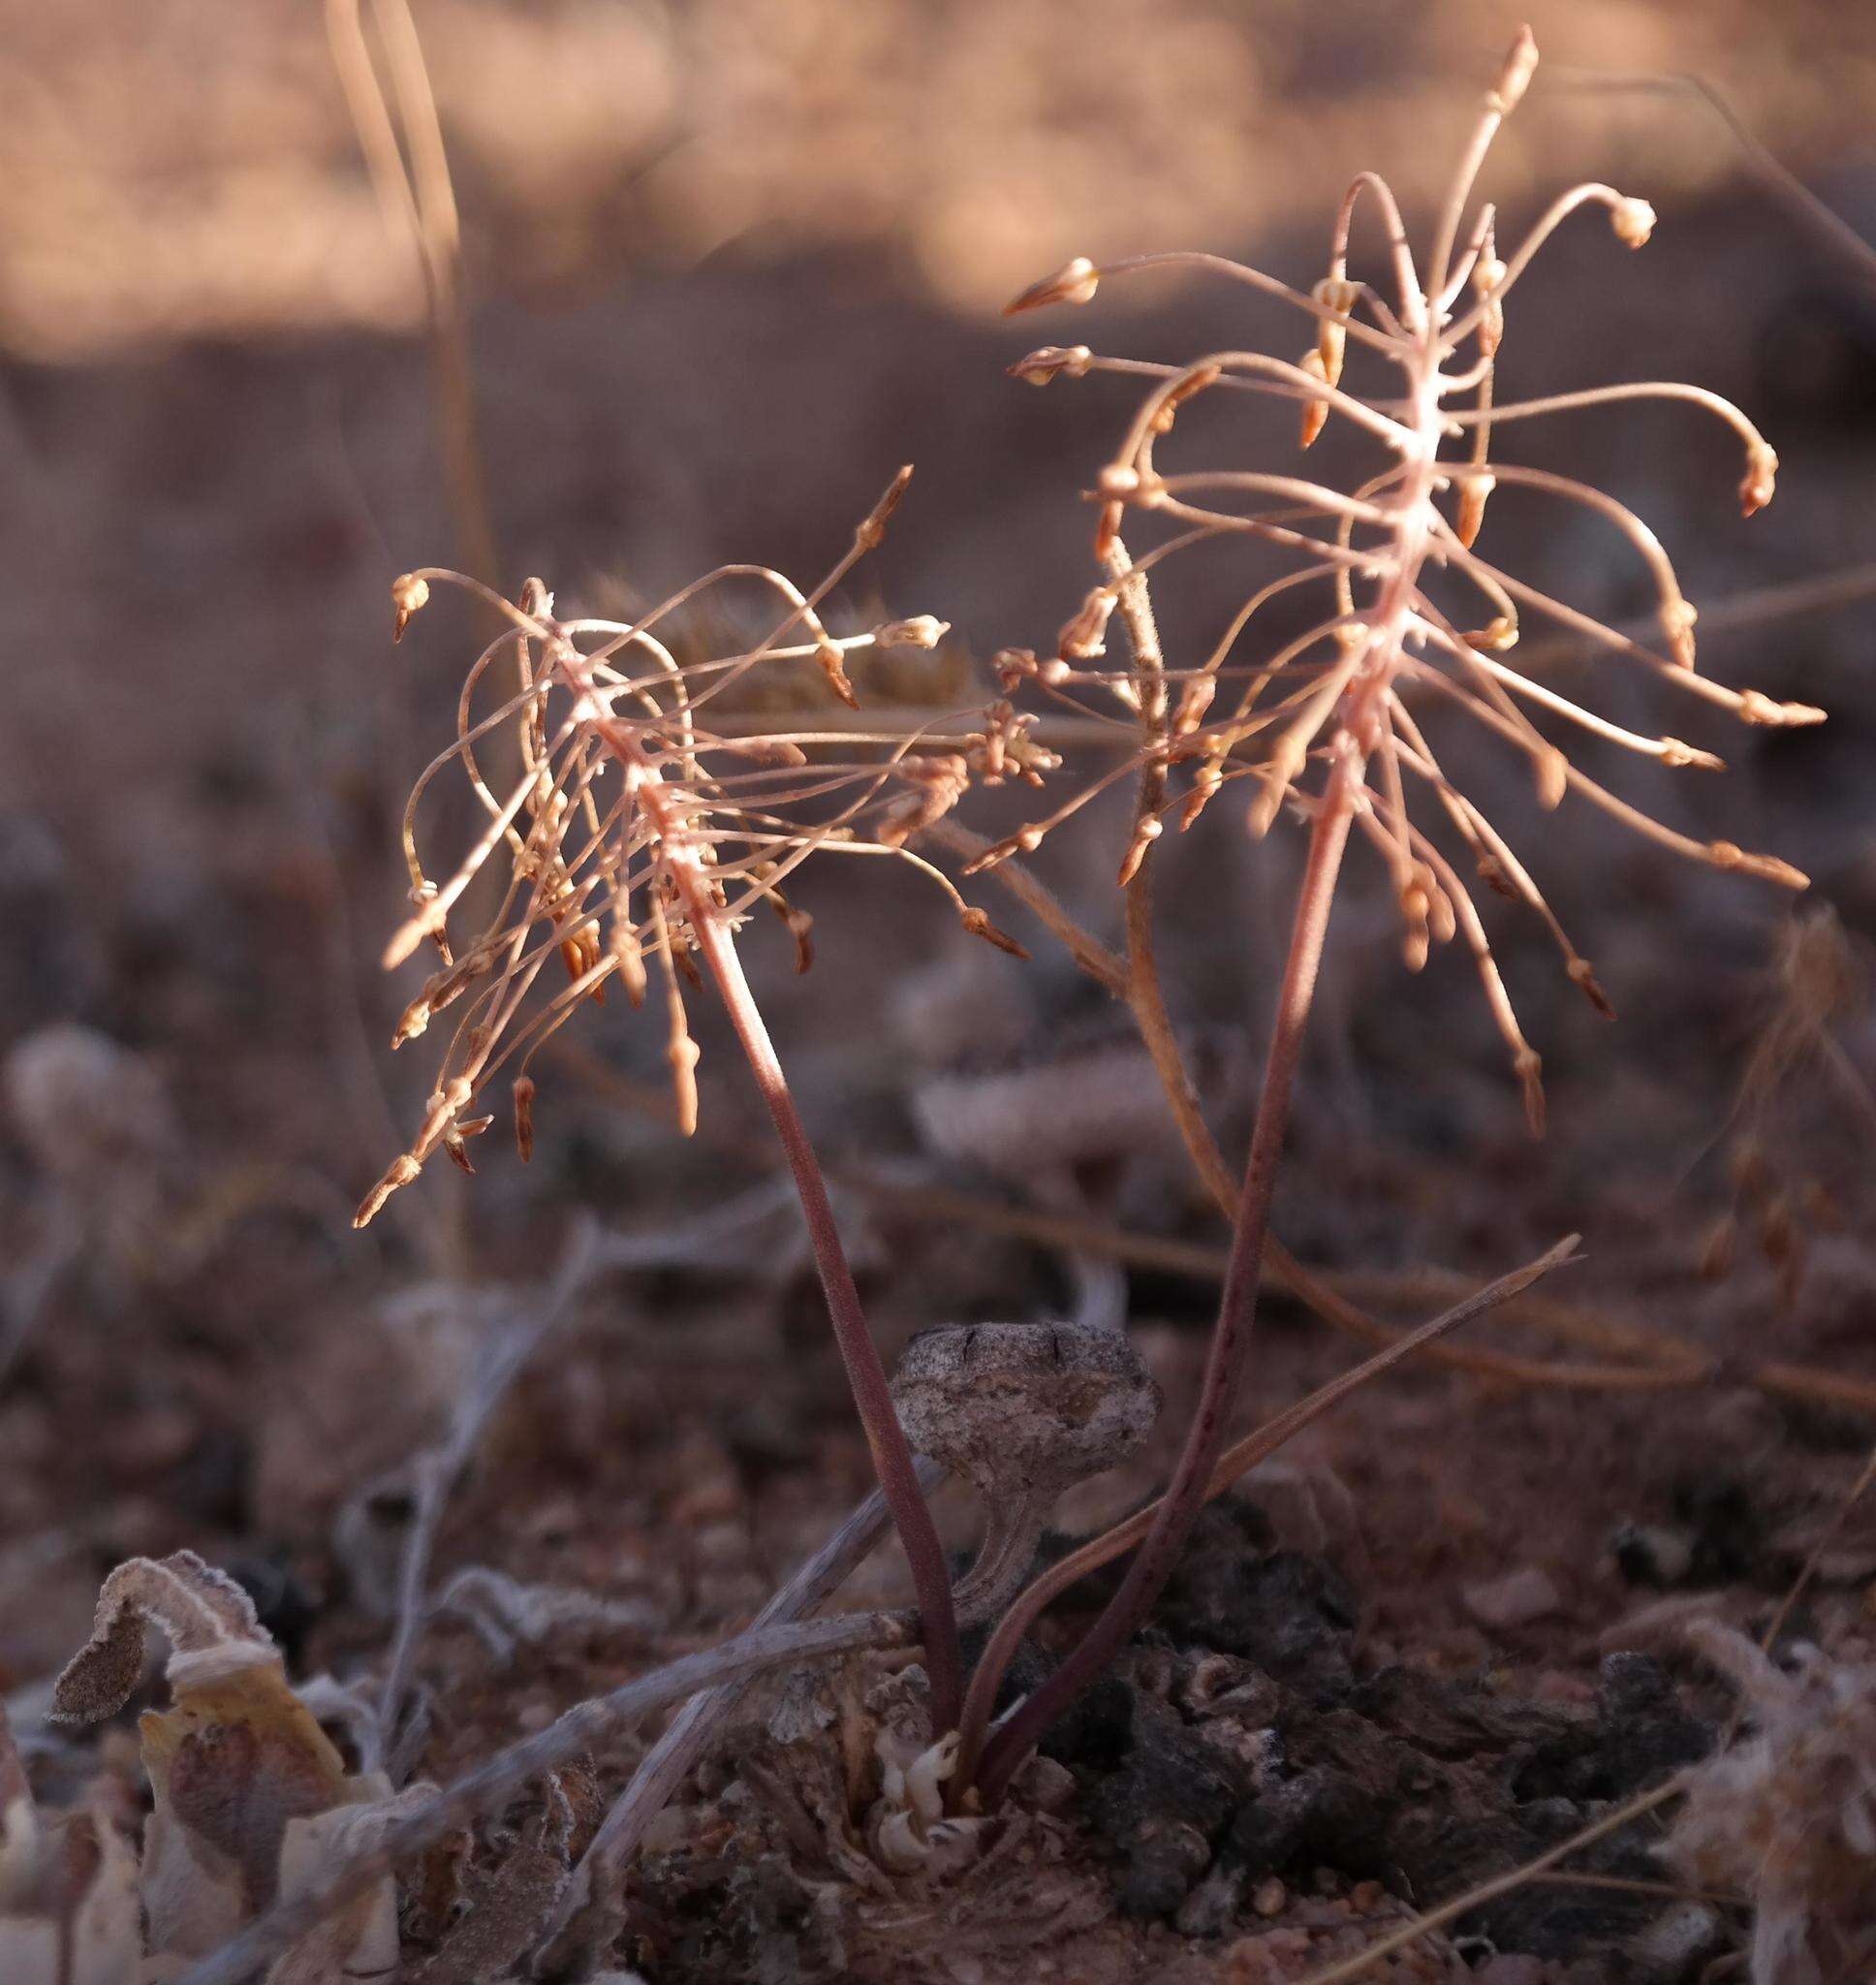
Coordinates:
1348 694
633 822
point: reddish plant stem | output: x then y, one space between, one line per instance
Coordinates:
1185 1495
891 1454
1237 1459
892 1459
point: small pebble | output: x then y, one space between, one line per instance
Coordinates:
1268 1897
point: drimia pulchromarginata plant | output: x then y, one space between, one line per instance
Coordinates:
639 840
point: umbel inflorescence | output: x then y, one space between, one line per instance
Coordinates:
634 824
1347 696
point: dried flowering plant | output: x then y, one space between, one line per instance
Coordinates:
636 842
1326 724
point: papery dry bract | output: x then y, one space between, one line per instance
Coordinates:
210 1620
248 1791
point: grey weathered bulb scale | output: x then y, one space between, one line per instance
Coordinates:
1022 1411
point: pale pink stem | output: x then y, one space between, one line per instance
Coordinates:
1231 1341
892 1460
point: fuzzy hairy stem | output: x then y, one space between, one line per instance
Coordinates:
892 1462
1186 1493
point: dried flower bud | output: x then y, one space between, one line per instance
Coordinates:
1757 708
1205 782
1315 412
872 529
1337 293
1488 273
1187 386
1025 841
1677 617
453 1146
1768 868
1491 329
979 924
801 928
1050 362
1012 666
1473 492
832 665
399 1173
1520 64
1146 830
1074 282
1106 530
410 595
921 630
1490 871
1496 639
579 955
1633 221
630 960
1582 974
1082 637
683 1054
1194 703
1761 475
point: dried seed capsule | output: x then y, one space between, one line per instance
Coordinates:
1074 282
1050 362
410 595
1633 221
1760 476
1315 412
1473 492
